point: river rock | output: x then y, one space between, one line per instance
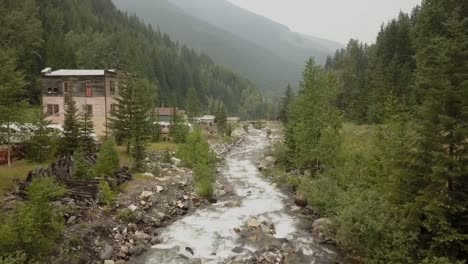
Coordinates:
132 207
106 252
266 229
176 161
267 163
146 194
165 165
182 205
148 174
220 193
138 250
109 261
71 220
300 200
124 249
159 188
190 250
184 253
232 204
253 223
321 229
140 235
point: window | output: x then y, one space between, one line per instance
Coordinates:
113 107
66 87
113 87
88 109
89 89
52 90
52 109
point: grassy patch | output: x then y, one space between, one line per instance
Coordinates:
18 170
124 158
126 216
357 137
162 146
142 177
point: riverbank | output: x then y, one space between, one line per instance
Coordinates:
294 183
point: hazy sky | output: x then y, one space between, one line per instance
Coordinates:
337 20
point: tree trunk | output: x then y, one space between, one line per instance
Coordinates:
8 144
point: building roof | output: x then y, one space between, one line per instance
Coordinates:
75 72
165 111
206 117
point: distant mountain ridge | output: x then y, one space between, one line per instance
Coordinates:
264 51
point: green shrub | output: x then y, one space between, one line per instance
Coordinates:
126 216
42 145
228 130
259 124
108 159
280 152
196 150
156 171
166 156
35 227
16 258
323 192
82 170
204 180
436 260
106 195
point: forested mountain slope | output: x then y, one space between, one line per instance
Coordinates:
396 185
266 52
95 34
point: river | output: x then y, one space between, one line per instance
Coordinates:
210 232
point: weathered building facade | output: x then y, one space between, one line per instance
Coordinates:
94 91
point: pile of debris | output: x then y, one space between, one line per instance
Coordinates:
62 171
143 209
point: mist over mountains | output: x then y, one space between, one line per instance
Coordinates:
266 52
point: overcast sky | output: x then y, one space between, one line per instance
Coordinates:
337 20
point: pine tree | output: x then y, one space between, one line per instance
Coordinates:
314 135
41 146
155 129
70 139
440 162
193 103
108 159
122 118
82 170
179 128
285 103
131 122
12 84
221 117
87 140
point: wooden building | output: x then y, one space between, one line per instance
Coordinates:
93 91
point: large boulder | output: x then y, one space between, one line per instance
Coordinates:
321 230
300 200
253 223
106 252
267 163
140 235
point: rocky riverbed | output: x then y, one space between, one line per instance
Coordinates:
257 223
132 225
